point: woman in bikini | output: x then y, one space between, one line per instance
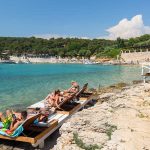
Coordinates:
52 99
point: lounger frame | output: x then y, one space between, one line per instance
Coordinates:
39 139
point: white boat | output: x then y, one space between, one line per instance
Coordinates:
7 62
88 62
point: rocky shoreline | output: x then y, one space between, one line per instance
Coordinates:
119 120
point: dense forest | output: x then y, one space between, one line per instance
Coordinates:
69 47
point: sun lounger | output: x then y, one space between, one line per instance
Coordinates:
73 96
81 90
36 135
20 129
65 101
29 133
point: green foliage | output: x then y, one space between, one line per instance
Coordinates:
69 47
120 43
112 53
110 129
82 145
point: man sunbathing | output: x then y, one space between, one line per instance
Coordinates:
74 88
53 100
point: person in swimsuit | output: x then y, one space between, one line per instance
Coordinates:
17 119
51 99
12 121
74 88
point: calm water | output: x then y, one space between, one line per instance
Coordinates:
25 84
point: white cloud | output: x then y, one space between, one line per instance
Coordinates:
124 29
128 28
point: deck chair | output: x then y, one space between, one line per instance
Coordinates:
58 105
21 128
74 96
81 91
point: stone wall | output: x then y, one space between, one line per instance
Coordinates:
135 57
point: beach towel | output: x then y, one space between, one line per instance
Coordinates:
16 133
20 129
7 121
1 125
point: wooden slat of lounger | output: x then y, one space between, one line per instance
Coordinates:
89 96
83 98
69 112
40 128
74 109
20 138
147 74
53 125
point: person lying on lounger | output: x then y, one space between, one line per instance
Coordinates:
54 99
17 119
51 99
12 120
74 88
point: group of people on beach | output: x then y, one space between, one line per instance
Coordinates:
11 120
57 97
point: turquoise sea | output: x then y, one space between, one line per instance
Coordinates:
25 84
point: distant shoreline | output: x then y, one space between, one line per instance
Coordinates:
54 60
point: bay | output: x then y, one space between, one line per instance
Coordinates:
24 84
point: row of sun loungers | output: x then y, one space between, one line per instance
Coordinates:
36 133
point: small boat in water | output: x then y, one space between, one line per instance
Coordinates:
23 62
88 62
7 62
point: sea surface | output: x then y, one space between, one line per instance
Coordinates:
24 84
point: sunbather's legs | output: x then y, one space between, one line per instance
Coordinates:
8 113
1 116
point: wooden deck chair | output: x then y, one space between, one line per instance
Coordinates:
30 121
73 96
21 128
65 100
81 91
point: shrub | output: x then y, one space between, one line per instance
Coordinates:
82 145
110 129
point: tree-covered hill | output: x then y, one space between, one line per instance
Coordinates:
69 47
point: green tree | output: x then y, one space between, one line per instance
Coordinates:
120 43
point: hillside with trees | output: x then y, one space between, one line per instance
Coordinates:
69 47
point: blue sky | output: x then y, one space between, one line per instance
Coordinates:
81 18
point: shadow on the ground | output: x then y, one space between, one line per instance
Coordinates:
13 145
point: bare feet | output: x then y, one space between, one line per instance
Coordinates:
1 114
8 113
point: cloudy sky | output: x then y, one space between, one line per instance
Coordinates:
75 18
